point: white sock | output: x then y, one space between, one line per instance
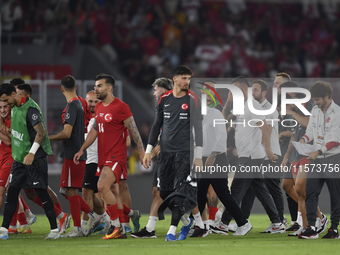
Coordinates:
105 217
185 220
206 224
172 230
151 223
55 230
4 229
84 225
78 229
198 220
130 213
299 219
60 216
115 223
13 227
92 215
218 215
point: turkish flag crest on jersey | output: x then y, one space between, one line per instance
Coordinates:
108 117
184 106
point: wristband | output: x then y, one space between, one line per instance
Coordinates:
149 148
199 151
34 148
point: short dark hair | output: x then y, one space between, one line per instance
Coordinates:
285 76
289 84
163 83
108 79
241 79
68 82
7 89
263 84
321 89
181 70
17 81
27 88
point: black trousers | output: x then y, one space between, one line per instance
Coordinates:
314 184
274 187
245 180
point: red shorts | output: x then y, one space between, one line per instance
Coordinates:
119 169
5 170
72 175
296 165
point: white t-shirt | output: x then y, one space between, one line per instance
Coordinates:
214 138
92 151
274 137
248 139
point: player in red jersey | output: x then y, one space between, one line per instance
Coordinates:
112 116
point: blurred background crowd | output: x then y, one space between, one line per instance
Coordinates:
146 39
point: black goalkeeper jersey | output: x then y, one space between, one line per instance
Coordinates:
177 117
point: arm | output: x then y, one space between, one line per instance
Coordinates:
131 125
266 140
5 139
39 138
289 151
226 111
91 137
64 134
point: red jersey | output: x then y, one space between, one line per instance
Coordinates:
87 112
111 131
5 151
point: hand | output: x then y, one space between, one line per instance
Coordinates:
28 160
198 164
313 155
289 111
271 156
77 156
147 160
284 162
210 161
155 152
302 140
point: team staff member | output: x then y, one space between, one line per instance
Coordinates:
324 129
72 175
30 147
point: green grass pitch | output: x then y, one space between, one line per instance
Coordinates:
252 243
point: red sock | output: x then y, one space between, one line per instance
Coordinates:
57 211
38 202
14 218
212 212
58 205
24 204
84 207
113 211
22 218
121 215
126 209
75 209
126 218
108 212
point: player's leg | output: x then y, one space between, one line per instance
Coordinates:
88 198
72 179
333 185
2 194
23 228
212 204
106 180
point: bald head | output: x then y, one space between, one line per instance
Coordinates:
92 100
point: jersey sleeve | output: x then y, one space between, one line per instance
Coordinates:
33 116
124 112
157 124
71 114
